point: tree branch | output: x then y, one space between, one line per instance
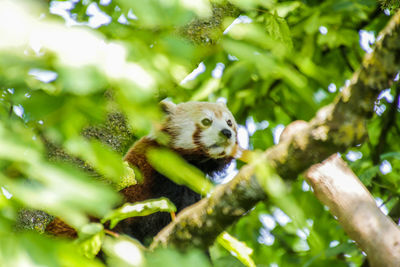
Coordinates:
334 128
336 186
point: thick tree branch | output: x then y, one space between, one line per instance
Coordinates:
335 128
336 186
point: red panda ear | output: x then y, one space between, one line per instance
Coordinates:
221 103
167 106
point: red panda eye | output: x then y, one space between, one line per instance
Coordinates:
229 122
206 122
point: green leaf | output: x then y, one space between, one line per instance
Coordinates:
285 8
335 38
99 156
206 89
90 239
131 176
123 251
246 5
239 249
278 29
252 33
342 248
155 13
178 170
82 81
263 60
262 139
238 75
367 175
394 155
312 23
143 208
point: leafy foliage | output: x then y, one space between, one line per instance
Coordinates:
277 62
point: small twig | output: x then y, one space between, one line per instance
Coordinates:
173 216
114 234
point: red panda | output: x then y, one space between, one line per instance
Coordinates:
203 133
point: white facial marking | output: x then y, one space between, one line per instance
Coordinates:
218 145
186 128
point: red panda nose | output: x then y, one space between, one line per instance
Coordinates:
226 132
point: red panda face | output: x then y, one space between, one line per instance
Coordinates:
208 128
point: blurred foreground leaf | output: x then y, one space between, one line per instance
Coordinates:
123 251
143 208
167 14
34 250
90 239
99 156
178 170
239 249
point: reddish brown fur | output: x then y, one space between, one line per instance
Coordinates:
59 228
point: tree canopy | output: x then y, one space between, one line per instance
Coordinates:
80 82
